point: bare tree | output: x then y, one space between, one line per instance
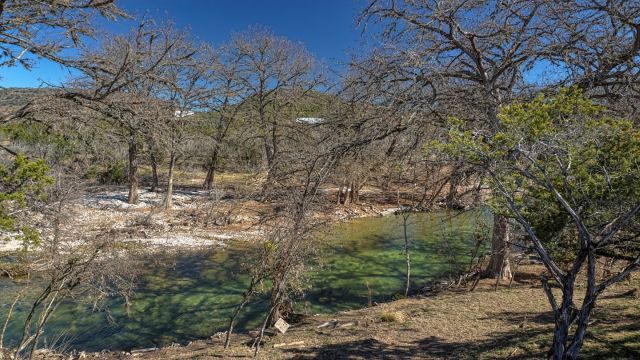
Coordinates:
46 28
347 127
68 262
596 46
288 243
277 73
122 81
187 92
225 102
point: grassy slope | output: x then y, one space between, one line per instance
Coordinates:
457 324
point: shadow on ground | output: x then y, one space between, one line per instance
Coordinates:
612 335
374 349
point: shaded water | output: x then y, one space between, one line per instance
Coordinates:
190 297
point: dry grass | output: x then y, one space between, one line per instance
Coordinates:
393 316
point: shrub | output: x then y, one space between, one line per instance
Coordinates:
114 174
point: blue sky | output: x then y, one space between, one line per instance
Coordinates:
326 27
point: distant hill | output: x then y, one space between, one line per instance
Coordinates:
11 98
314 105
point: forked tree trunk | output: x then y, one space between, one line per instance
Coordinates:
133 170
168 200
566 316
498 266
347 195
563 320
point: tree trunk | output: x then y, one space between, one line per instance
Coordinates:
352 198
347 195
276 305
267 186
452 197
168 200
268 153
155 182
208 182
498 266
587 306
232 321
273 158
500 238
563 320
405 218
133 170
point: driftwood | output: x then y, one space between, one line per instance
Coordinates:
143 351
295 343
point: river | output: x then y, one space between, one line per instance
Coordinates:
192 296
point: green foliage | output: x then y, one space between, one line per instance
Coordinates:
565 143
21 181
114 174
64 142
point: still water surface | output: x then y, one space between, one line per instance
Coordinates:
192 296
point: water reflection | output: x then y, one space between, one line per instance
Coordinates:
189 297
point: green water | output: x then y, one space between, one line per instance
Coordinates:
192 296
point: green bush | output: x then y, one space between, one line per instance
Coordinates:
114 174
